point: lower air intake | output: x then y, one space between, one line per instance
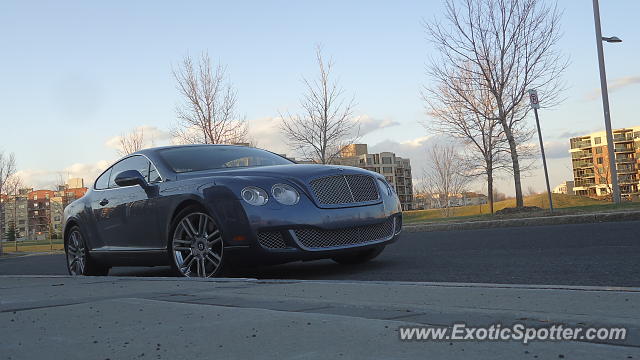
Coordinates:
317 239
271 240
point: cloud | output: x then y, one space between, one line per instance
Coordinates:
88 172
553 149
367 124
556 149
615 85
265 133
153 136
414 149
47 179
571 134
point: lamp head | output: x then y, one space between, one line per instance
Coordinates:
613 39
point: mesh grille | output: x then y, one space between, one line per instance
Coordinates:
315 238
363 187
271 240
345 189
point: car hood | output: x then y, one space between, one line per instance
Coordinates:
304 172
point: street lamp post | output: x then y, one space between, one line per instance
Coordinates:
605 101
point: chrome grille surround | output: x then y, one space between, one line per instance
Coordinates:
398 224
313 238
345 189
272 240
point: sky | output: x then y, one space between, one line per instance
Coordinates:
75 75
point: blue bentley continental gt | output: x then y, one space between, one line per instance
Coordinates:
205 208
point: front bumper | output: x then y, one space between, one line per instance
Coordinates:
275 233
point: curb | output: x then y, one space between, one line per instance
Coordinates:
12 255
254 281
534 221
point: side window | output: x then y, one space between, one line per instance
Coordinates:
154 176
103 181
139 163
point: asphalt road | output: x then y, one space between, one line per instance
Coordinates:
603 254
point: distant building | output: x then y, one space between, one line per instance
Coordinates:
564 188
38 214
65 195
423 201
590 160
57 215
435 201
75 183
469 199
15 215
395 169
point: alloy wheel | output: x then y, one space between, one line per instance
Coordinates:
197 246
76 254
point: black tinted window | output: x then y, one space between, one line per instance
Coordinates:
196 158
154 176
139 163
103 181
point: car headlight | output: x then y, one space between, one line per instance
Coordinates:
254 195
384 185
285 194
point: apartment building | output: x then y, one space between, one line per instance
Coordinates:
63 196
564 188
38 214
15 215
590 160
395 169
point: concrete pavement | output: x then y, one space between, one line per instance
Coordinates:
126 318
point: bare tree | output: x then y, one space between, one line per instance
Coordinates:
207 114
12 189
511 46
445 176
7 169
463 110
603 175
131 142
326 122
498 196
7 172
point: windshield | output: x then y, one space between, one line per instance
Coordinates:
197 158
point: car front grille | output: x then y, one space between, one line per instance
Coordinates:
316 238
345 189
271 240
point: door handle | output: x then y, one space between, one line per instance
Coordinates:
103 202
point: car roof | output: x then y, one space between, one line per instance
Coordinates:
159 148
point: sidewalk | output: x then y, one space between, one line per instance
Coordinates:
124 318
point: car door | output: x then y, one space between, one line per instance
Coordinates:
100 214
127 216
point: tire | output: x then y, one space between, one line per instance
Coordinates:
359 257
79 261
195 244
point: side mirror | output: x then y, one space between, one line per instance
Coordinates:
130 178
